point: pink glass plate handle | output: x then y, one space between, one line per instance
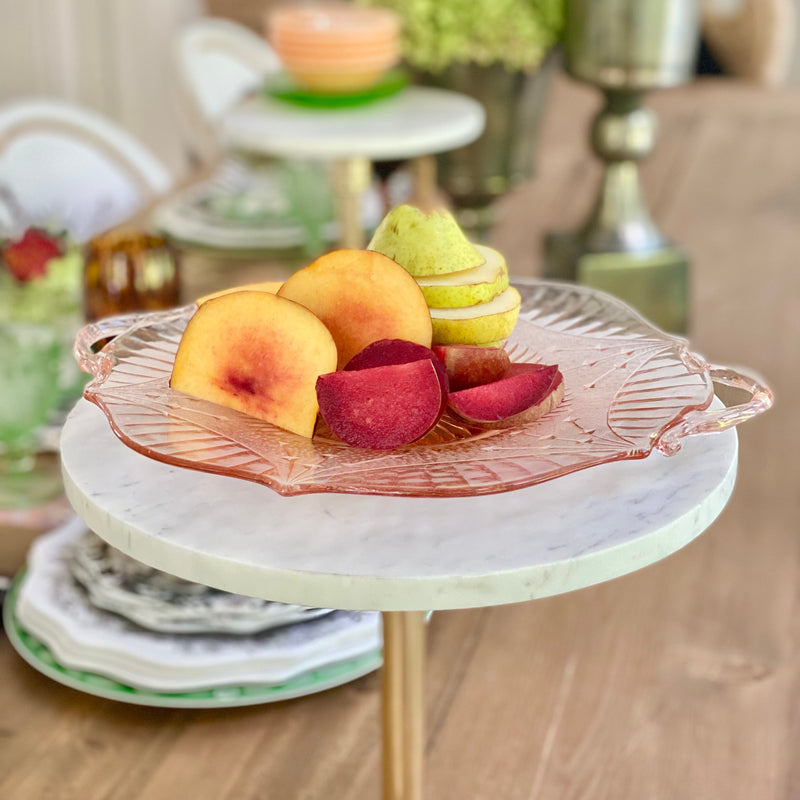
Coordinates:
718 420
99 363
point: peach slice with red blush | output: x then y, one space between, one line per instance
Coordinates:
257 353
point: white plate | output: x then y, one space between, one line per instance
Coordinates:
161 602
241 210
182 218
53 608
38 655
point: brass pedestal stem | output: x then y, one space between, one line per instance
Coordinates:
619 249
403 704
623 133
351 178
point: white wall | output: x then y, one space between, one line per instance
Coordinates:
110 55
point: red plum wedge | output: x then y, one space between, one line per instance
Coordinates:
381 407
470 365
526 394
386 352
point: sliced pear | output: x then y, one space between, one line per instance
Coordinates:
469 286
480 324
265 286
424 243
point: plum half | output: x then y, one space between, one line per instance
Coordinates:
381 407
527 393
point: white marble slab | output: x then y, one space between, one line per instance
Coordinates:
417 121
394 553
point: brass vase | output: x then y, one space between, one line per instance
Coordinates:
476 175
626 48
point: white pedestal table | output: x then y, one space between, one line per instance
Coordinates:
401 556
414 123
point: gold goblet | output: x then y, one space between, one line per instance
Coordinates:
625 48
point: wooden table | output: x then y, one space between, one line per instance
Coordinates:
578 695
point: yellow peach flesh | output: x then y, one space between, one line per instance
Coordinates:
361 296
256 353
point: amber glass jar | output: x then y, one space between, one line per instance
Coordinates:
129 270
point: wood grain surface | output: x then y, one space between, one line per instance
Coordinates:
679 681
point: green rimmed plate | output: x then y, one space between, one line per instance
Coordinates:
281 87
38 655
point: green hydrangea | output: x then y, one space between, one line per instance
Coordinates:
515 33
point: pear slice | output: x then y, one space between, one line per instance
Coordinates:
424 243
469 286
485 322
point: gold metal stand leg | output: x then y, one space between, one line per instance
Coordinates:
403 704
425 192
351 178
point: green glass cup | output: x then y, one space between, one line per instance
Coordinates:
54 301
30 358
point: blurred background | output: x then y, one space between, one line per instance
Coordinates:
115 57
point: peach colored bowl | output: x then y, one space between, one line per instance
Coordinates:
335 48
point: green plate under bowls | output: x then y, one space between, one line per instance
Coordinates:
38 655
281 87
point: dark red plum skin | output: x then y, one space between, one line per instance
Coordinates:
507 397
469 365
386 352
381 408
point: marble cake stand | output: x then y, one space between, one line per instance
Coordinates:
398 555
416 123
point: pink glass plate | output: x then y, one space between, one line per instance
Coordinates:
630 388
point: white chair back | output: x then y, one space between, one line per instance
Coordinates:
218 62
66 166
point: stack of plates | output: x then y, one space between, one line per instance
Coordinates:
251 210
91 618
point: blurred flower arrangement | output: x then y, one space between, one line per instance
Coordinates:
40 277
518 34
41 280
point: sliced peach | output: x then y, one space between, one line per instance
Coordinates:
381 407
361 296
472 365
527 393
265 286
257 353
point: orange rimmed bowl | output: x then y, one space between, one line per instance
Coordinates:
335 48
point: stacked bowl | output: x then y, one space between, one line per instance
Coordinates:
335 49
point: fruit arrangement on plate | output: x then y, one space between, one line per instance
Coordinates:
380 343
